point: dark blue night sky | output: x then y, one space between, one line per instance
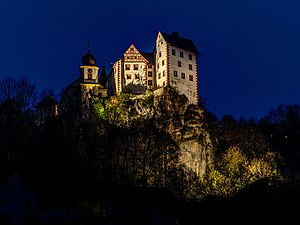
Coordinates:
250 48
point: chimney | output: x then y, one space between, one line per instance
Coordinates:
175 34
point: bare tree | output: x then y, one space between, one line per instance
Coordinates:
21 91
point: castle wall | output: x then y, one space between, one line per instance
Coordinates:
183 72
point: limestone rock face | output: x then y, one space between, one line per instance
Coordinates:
184 122
196 156
193 140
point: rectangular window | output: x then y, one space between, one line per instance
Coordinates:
150 82
135 66
181 54
163 62
173 52
179 63
183 75
158 65
90 76
150 74
137 76
128 76
164 73
190 67
175 73
159 75
150 66
191 78
190 57
127 66
164 83
159 54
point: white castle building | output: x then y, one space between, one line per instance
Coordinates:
174 62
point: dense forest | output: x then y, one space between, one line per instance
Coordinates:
128 141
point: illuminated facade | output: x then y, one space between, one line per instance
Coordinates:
174 62
134 72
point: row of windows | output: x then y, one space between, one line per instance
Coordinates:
181 54
150 74
179 64
133 57
135 66
136 76
191 77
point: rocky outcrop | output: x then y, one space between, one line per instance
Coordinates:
184 122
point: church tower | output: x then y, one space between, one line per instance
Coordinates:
89 78
78 95
89 70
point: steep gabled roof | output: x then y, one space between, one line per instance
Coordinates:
149 56
175 40
133 51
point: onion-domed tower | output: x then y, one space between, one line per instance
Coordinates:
89 69
77 95
89 78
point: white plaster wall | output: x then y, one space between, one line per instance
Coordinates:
184 86
142 69
116 74
161 46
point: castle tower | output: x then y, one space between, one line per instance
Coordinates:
176 61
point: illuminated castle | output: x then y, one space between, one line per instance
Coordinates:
174 62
